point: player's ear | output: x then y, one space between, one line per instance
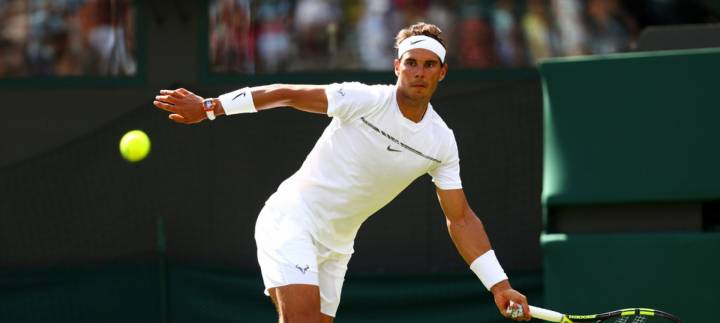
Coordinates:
397 67
443 71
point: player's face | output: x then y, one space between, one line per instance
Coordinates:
419 71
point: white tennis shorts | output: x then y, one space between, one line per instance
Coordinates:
288 254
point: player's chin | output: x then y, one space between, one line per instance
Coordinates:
420 92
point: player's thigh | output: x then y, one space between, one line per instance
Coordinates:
326 319
298 303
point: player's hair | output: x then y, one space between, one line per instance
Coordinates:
417 29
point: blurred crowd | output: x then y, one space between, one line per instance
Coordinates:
248 36
97 37
67 38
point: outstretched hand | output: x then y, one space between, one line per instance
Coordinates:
506 297
184 106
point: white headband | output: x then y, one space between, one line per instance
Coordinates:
423 42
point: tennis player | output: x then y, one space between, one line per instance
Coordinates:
381 138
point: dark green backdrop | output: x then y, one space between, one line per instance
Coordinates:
632 134
80 239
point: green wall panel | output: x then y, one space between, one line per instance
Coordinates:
632 127
677 273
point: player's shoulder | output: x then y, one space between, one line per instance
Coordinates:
438 125
362 91
443 135
349 100
363 87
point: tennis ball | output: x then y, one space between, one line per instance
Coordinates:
134 146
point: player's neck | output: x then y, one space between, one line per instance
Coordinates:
412 109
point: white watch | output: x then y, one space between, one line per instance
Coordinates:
209 108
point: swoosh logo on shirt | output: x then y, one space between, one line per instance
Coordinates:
417 41
241 94
398 142
392 149
341 92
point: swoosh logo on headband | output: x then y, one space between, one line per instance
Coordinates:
417 41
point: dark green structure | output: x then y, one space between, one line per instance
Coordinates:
640 127
635 134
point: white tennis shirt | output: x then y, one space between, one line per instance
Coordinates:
365 157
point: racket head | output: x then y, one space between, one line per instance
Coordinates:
629 315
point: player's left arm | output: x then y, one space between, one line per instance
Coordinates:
468 234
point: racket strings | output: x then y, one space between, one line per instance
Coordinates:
634 319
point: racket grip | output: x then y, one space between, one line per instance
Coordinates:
545 315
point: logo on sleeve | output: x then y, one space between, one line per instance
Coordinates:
341 91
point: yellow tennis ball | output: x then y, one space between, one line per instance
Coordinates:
134 146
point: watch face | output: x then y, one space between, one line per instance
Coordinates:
208 104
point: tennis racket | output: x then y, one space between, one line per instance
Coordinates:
628 315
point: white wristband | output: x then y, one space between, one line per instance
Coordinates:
488 269
239 101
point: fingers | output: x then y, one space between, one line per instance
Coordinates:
180 119
522 310
512 311
526 310
167 99
176 102
184 91
517 309
173 93
177 118
165 106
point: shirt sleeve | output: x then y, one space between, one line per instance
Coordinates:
351 100
446 176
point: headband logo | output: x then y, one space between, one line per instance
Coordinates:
419 41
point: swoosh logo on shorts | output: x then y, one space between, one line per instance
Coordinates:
392 149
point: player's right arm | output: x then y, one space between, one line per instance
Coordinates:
308 98
186 107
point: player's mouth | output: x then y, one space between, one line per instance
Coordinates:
418 85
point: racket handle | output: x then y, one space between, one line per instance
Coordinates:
545 315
